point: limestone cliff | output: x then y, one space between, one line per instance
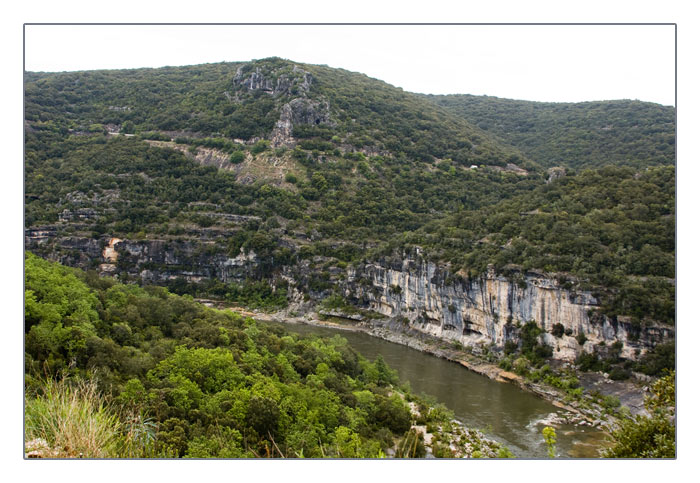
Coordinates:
489 309
483 311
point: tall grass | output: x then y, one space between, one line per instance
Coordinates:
76 422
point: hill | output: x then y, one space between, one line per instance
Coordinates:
574 135
271 98
224 179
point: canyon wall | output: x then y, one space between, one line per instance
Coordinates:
483 311
490 309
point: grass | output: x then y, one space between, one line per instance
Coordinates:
71 419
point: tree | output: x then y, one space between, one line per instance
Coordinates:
651 436
550 439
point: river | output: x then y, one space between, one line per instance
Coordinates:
502 411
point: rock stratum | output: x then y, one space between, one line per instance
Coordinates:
482 312
490 309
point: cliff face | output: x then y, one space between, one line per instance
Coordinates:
484 311
153 261
488 310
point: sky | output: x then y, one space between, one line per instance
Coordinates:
557 63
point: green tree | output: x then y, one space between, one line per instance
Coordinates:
550 439
651 436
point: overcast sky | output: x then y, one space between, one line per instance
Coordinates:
540 63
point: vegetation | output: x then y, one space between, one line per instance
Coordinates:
139 372
655 362
575 135
380 172
550 439
70 419
651 436
372 173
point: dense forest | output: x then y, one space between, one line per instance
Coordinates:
575 135
146 373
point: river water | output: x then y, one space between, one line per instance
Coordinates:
501 411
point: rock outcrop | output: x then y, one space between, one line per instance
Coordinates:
297 112
297 82
486 311
490 309
555 173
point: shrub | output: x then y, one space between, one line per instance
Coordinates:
521 366
260 146
506 364
611 402
237 157
581 338
558 330
542 351
441 450
510 347
588 362
660 358
619 374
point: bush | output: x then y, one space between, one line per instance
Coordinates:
659 359
510 347
506 364
260 146
618 374
237 157
589 362
581 338
610 402
521 366
558 330
542 351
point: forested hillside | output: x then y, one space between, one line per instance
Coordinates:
168 377
574 135
334 164
331 108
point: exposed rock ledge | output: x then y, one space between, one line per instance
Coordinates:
487 311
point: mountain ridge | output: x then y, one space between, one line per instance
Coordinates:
552 133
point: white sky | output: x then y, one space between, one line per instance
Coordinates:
540 63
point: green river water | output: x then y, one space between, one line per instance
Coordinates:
502 411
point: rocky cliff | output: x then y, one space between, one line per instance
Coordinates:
481 312
490 309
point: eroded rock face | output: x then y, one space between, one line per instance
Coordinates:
489 310
555 173
300 110
297 83
297 112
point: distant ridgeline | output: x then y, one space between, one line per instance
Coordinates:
266 182
575 135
